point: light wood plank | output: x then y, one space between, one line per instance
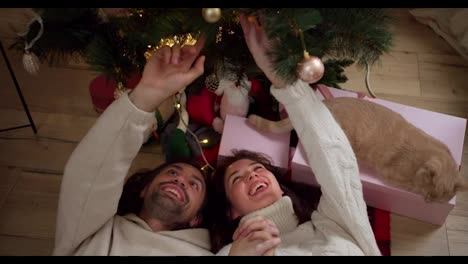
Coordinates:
443 59
457 231
55 126
30 209
396 73
53 90
44 155
25 246
444 81
441 105
12 19
412 36
49 125
461 206
51 155
8 179
14 118
412 238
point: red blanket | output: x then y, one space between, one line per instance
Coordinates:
380 222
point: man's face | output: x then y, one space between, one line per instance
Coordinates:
175 196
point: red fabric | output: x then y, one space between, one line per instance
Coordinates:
102 89
211 155
380 222
200 107
255 87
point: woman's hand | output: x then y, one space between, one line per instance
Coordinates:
257 236
167 72
259 44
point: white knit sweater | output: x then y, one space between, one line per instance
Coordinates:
340 225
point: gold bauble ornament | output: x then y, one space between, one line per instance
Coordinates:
310 69
211 15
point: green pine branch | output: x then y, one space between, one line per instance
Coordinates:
115 46
361 34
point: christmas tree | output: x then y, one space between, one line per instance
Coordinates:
118 41
115 41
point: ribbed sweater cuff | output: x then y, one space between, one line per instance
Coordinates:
281 213
294 93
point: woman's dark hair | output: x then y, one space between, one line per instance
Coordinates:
130 200
304 198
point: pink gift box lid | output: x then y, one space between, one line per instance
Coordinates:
239 134
448 129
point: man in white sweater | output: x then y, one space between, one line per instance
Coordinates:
87 223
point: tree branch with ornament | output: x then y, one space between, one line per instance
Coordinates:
313 44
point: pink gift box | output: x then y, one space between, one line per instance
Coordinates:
448 129
239 134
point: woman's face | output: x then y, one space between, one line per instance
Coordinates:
250 186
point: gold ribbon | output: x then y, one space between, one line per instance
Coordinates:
182 40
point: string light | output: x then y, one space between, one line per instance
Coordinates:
204 141
219 35
207 165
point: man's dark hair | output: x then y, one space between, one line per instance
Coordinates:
304 198
130 200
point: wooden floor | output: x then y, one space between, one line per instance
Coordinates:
422 70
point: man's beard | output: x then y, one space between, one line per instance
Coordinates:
167 210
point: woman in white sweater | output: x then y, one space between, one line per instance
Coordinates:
339 225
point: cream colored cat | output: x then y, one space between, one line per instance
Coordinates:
402 154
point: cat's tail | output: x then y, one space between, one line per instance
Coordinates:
278 127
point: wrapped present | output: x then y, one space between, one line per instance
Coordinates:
239 134
450 130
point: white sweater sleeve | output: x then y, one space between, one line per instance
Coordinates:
95 172
332 160
225 250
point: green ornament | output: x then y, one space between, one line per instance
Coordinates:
177 147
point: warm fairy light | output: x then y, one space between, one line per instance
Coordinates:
219 35
204 141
